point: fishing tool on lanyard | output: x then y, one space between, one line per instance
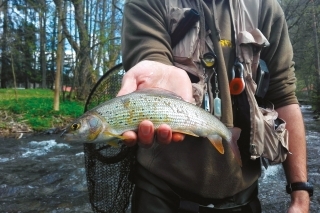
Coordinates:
237 83
209 62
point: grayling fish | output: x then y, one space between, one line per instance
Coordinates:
109 120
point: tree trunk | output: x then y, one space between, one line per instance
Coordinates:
113 52
43 62
14 78
53 44
56 102
4 57
84 79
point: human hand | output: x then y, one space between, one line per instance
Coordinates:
150 74
300 202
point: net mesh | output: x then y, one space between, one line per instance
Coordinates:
108 169
108 177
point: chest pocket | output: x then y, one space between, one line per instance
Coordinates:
188 49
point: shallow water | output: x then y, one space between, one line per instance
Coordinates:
43 174
38 174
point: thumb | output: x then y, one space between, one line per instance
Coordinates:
128 85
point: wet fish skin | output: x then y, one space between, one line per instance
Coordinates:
108 121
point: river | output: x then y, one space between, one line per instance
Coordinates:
40 173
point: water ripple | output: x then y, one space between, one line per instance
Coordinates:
42 148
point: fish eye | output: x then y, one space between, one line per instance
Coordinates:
75 126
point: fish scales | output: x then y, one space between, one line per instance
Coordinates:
109 120
126 113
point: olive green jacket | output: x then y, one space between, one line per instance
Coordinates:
194 164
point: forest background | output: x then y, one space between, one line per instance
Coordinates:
67 45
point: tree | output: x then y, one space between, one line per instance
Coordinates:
82 73
302 22
317 74
61 15
5 66
96 46
42 32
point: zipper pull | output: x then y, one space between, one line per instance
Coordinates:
237 84
217 100
206 101
217 106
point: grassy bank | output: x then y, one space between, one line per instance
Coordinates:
32 109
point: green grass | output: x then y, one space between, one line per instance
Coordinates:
35 107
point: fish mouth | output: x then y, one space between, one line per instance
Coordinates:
68 136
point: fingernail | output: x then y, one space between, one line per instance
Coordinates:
146 130
164 134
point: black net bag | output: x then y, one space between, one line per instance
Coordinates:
108 168
108 173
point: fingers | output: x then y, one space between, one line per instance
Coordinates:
164 134
131 138
144 137
177 137
146 134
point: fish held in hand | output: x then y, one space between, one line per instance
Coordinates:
109 120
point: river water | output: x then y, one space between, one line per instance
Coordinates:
43 174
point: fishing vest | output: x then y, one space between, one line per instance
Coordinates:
268 135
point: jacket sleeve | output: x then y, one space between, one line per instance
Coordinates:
278 56
145 33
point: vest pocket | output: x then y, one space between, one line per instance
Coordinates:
276 136
268 136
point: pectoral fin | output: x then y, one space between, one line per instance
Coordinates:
216 141
114 139
109 134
